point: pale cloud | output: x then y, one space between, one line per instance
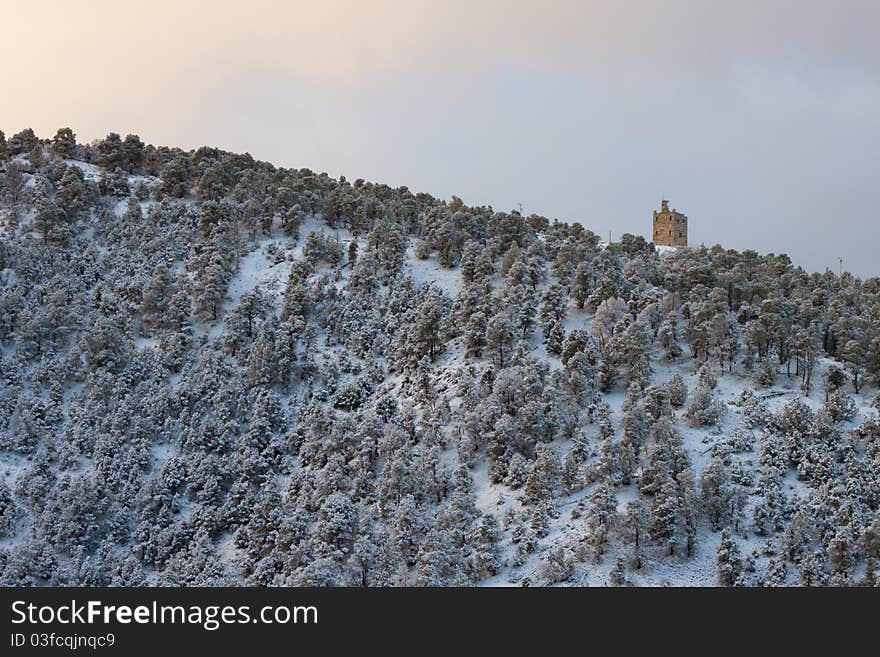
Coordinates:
353 41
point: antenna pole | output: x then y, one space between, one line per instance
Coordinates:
841 267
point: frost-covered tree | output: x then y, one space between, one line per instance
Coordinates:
729 560
217 371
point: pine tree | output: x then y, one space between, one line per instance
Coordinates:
64 143
618 573
705 409
156 297
110 152
210 291
601 519
133 155
475 335
71 196
13 187
634 523
500 334
487 555
729 560
841 554
22 142
48 221
666 516
677 390
176 177
554 304
871 541
543 479
834 380
582 284
609 313
554 338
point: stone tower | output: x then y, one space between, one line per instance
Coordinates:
670 226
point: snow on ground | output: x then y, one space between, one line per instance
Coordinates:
11 467
257 269
700 568
91 171
94 172
429 271
268 265
141 343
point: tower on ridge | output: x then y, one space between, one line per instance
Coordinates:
670 226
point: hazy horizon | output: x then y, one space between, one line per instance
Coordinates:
760 121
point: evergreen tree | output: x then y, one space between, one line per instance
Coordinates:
48 220
487 554
729 560
64 143
677 390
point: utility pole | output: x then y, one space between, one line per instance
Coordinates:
519 205
841 267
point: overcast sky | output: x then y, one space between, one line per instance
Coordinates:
758 119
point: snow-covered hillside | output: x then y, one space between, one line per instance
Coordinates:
216 371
